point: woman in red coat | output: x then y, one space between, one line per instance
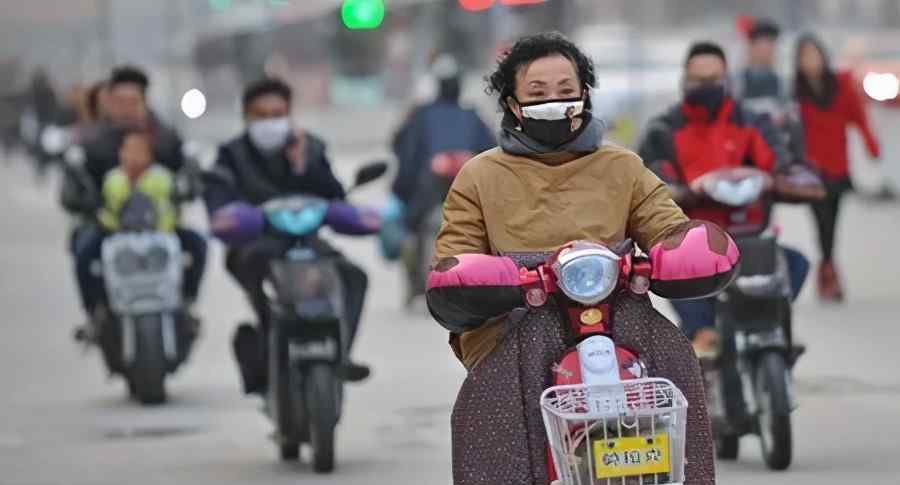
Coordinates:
829 104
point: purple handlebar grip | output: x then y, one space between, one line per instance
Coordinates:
245 223
346 219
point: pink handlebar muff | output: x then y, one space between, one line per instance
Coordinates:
466 290
697 261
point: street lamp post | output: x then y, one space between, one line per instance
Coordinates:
104 33
171 19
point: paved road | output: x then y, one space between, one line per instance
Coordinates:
63 422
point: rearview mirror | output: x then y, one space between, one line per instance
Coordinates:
75 156
370 172
190 149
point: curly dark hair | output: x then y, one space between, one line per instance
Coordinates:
502 82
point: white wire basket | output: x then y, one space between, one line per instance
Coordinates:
629 433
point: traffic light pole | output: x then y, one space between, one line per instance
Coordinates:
104 32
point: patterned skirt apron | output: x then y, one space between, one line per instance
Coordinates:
498 432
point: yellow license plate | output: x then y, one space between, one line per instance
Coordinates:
628 457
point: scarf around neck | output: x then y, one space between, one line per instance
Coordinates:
514 141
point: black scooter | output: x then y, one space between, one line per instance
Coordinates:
308 336
750 388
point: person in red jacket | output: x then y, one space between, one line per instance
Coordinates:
829 103
707 131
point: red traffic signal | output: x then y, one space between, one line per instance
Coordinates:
480 5
476 5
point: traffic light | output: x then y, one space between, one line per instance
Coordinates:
516 3
476 5
362 14
480 5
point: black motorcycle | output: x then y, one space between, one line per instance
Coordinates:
144 332
308 334
754 318
142 329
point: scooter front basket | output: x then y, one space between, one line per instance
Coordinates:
627 433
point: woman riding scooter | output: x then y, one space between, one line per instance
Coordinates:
550 182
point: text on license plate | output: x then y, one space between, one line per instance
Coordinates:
632 456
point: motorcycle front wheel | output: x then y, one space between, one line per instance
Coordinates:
773 402
289 401
147 375
322 401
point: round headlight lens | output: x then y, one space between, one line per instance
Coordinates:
157 259
127 262
589 279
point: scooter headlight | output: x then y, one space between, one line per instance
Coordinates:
54 140
299 221
736 193
588 276
127 261
157 258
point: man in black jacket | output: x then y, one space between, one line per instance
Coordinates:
270 160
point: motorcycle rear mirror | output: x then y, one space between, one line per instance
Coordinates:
370 172
199 154
75 156
190 149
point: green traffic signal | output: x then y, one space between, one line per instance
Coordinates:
362 14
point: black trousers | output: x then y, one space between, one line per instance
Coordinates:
826 216
249 265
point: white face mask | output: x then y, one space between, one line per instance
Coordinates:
270 134
553 123
553 110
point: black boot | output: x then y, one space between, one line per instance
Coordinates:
250 355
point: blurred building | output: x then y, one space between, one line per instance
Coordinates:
220 45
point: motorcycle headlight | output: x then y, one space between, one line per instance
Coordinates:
588 276
736 193
54 140
127 262
157 258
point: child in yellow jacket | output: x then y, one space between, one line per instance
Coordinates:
138 172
